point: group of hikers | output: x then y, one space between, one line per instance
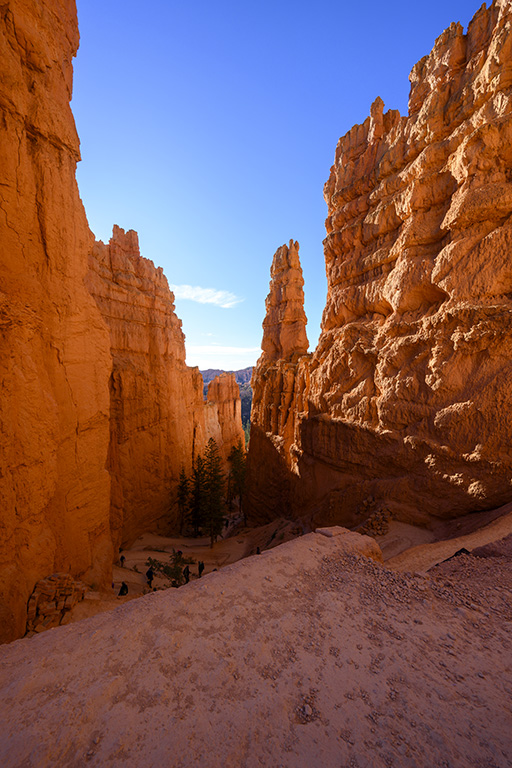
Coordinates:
150 575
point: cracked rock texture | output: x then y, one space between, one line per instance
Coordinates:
406 401
54 346
91 391
284 327
224 399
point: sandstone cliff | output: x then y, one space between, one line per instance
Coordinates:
54 349
406 401
159 420
224 397
63 435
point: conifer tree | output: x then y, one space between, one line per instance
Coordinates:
183 498
237 459
215 490
199 494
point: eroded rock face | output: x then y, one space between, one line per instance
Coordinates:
277 388
54 358
224 396
159 420
51 601
406 401
284 327
61 428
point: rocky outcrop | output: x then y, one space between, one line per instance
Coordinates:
284 343
159 419
243 379
61 429
284 327
405 404
276 384
224 396
52 600
54 347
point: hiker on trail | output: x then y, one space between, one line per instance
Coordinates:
200 568
186 573
123 590
121 560
150 576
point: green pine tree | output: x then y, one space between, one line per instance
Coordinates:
215 490
183 498
198 497
237 460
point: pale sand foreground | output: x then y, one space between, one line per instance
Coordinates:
304 656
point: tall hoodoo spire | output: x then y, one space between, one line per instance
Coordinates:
284 327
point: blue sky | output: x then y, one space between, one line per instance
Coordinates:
210 128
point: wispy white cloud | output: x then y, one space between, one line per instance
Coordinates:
223 299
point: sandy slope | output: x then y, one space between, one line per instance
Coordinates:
224 552
304 656
425 556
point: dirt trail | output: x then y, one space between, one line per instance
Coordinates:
224 552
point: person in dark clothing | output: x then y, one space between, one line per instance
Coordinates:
150 576
123 590
186 574
121 560
200 568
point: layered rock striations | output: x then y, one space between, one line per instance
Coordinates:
88 393
276 384
284 327
159 419
224 399
406 401
54 347
243 379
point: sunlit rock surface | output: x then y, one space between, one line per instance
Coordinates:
87 394
54 347
159 420
406 401
224 398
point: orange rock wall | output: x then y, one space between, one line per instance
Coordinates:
224 397
54 347
83 397
159 420
406 401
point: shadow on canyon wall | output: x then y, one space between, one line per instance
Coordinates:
343 473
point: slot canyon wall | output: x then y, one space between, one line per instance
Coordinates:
98 411
406 401
54 358
159 419
225 402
